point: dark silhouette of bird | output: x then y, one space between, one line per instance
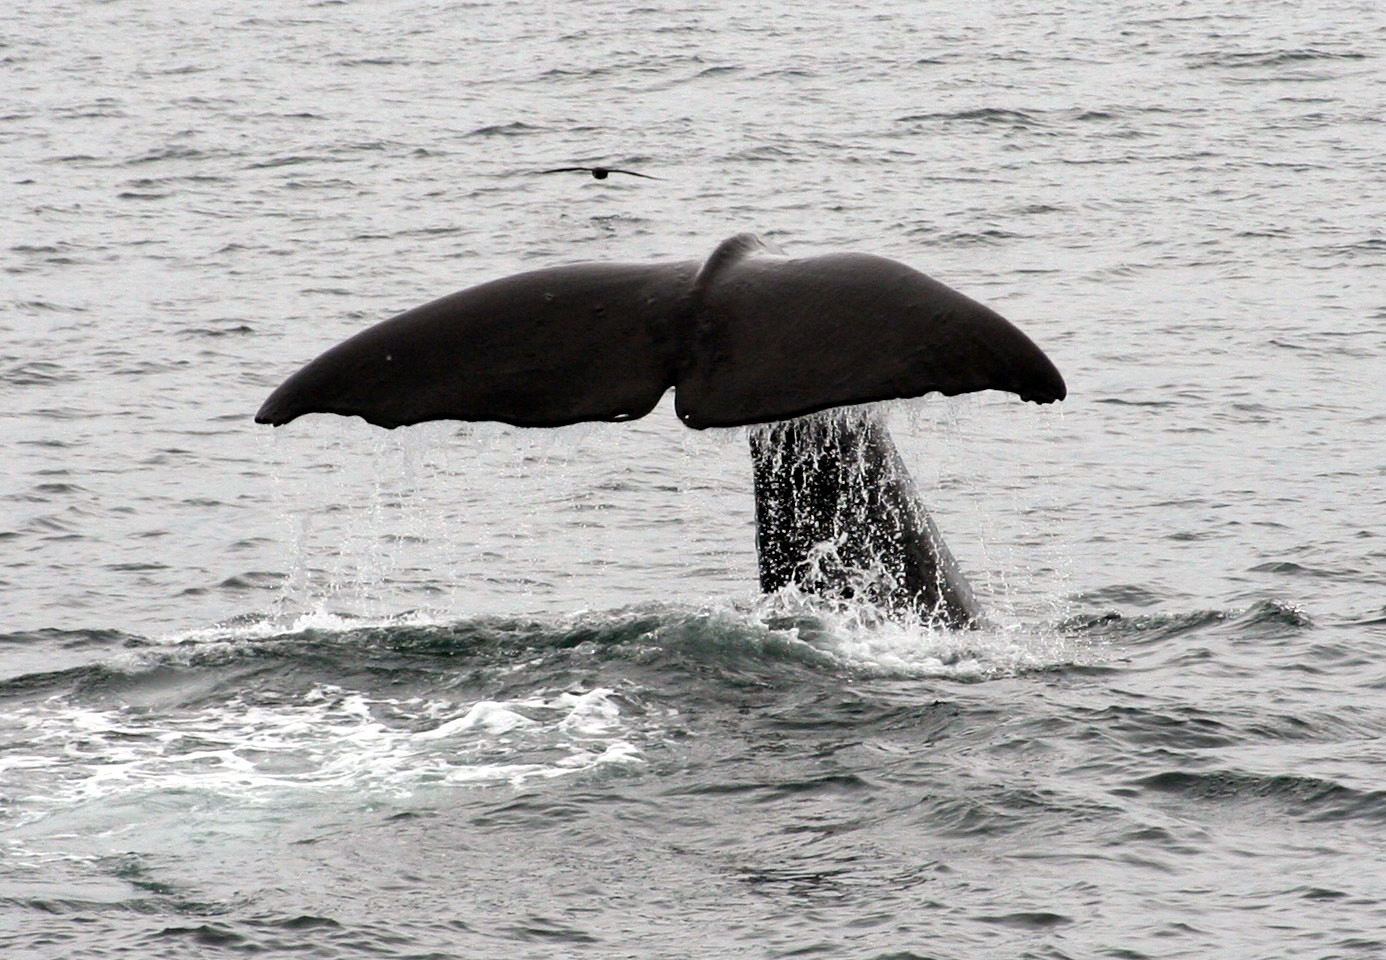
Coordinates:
600 173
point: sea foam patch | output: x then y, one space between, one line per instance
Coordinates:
63 755
858 636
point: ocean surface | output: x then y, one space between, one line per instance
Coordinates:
474 691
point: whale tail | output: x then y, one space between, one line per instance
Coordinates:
749 336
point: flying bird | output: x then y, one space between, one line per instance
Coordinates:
600 173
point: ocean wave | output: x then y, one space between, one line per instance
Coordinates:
1301 797
775 638
784 628
1260 616
1269 58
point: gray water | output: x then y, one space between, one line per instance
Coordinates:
468 690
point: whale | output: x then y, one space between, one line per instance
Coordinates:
800 351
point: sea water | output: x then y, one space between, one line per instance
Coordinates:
470 690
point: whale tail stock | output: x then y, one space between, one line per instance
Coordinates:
838 516
746 337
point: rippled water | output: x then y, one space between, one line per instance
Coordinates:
471 690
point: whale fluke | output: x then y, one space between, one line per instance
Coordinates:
749 336
777 338
540 349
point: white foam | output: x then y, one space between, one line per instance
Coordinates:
590 714
62 755
489 715
860 637
319 619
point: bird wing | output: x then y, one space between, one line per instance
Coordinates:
632 173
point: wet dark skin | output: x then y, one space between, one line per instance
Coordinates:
747 336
